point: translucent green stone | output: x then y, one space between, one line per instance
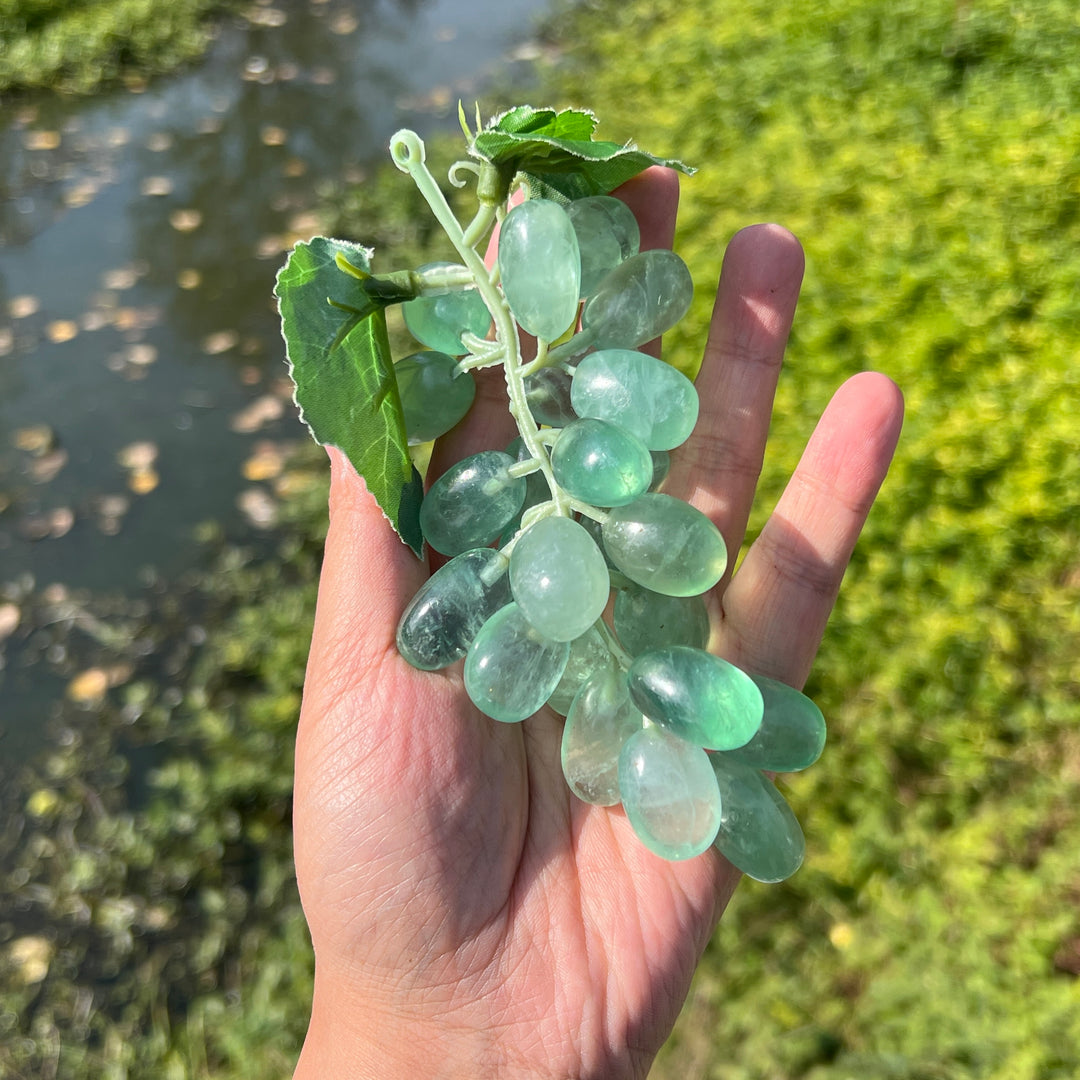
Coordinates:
559 578
511 669
471 503
607 233
697 696
547 394
434 397
447 612
589 654
645 620
601 463
758 832
638 392
792 732
540 267
601 719
665 544
640 299
438 321
670 794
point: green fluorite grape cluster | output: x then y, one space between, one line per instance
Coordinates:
569 521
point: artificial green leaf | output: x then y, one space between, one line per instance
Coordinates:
558 155
340 363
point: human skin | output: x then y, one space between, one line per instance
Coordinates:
470 917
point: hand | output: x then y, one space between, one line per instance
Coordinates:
470 917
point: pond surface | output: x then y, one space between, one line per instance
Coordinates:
141 367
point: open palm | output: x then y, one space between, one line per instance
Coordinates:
471 917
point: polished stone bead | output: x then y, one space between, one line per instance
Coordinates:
607 233
444 616
471 503
511 669
601 718
758 834
547 394
588 654
697 696
558 578
645 620
670 794
640 299
601 463
792 732
638 392
434 396
438 321
665 544
540 267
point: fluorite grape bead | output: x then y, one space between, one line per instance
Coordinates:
601 463
638 392
471 503
511 668
607 233
439 320
589 653
442 619
640 299
547 394
670 793
758 833
665 544
645 620
540 267
434 395
601 718
792 732
697 696
558 578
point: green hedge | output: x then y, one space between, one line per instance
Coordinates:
927 153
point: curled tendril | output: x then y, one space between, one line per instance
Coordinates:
407 150
454 175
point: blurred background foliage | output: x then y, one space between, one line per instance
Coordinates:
927 154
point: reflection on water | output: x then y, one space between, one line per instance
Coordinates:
141 388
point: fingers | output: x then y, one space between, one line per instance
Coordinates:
777 605
718 467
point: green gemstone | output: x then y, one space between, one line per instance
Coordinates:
434 395
792 732
446 614
471 503
665 544
607 233
559 578
601 463
758 834
697 696
601 719
540 267
645 620
639 393
589 653
670 794
439 320
511 669
640 299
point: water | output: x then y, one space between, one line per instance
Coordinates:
140 359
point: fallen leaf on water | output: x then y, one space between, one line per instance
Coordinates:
159 141
258 507
138 455
45 467
41 140
266 16
156 185
272 135
270 246
81 194
219 342
189 279
94 320
21 307
61 330
10 616
266 463
141 355
35 439
185 220
123 277
143 481
344 23
89 685
294 167
261 411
